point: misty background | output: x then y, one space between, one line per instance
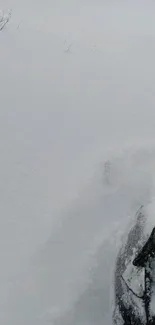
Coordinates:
77 90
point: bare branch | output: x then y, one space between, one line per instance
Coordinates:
4 19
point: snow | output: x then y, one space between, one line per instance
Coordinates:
149 211
135 279
77 153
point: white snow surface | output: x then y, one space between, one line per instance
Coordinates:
77 130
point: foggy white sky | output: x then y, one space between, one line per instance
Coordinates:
75 17
61 112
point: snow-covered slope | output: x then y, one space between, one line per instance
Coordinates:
77 86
